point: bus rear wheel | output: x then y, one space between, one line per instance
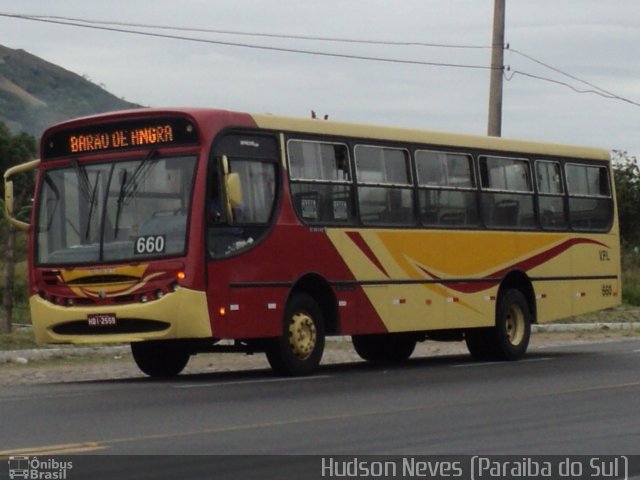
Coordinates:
160 358
509 338
387 347
299 349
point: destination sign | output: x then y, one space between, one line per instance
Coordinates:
121 139
121 135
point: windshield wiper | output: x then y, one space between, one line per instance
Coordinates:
123 181
92 203
83 180
51 184
129 186
88 192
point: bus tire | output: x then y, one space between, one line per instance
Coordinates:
299 349
477 341
509 338
387 347
513 326
160 358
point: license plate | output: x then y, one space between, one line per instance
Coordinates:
102 319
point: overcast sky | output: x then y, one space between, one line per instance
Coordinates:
593 40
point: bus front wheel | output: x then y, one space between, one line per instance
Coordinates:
509 338
160 358
300 347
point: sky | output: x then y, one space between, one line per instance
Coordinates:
591 40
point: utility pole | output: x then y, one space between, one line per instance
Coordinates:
494 124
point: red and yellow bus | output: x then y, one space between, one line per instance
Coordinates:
188 231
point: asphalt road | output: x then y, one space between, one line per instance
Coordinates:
580 399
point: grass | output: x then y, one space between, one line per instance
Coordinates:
623 314
19 339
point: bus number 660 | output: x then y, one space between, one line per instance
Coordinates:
150 244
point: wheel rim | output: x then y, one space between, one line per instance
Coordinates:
515 325
302 335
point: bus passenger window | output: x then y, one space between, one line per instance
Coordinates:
550 195
590 203
319 161
321 184
507 197
446 192
385 193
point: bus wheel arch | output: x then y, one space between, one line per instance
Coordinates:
515 311
310 313
319 289
518 280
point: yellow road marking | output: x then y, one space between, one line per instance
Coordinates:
54 449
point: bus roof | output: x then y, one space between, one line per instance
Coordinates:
344 129
374 132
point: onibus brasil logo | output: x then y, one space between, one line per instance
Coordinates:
34 469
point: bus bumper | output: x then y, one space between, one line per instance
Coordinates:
180 314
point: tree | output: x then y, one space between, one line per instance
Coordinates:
13 151
627 177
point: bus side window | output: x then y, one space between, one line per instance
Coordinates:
385 188
321 184
550 195
507 196
446 192
590 202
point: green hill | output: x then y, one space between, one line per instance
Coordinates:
35 94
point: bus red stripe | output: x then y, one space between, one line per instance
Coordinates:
364 247
525 265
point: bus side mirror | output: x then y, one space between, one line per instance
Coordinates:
8 193
232 189
8 199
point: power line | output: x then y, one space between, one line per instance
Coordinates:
568 85
124 27
264 35
594 88
243 45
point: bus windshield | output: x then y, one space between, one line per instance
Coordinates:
116 211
